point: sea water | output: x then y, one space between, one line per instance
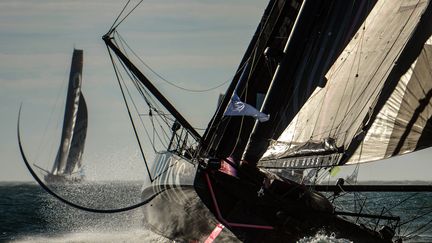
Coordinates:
29 214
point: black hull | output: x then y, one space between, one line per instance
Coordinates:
286 212
179 214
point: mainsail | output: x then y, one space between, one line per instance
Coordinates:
68 160
376 103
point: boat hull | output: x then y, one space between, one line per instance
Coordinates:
285 212
275 211
62 179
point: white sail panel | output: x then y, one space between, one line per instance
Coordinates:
405 116
339 111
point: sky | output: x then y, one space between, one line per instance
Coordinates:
196 44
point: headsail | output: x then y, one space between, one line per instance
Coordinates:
74 124
311 53
319 34
376 102
78 139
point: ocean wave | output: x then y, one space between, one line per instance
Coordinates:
323 238
96 237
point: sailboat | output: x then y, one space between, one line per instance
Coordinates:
335 83
67 166
322 84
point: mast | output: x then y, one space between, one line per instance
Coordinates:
262 34
227 136
144 80
280 87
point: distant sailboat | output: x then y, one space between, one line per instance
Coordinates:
67 166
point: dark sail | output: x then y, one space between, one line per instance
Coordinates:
74 123
79 134
376 103
227 136
339 19
321 31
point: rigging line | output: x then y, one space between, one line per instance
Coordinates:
166 117
401 202
133 79
136 109
238 136
142 123
147 97
269 66
130 115
347 83
409 224
421 229
416 217
157 134
142 90
152 141
323 98
240 69
152 104
164 132
359 52
360 48
121 12
418 79
60 198
355 45
350 108
228 118
245 98
128 14
49 121
378 67
428 60
164 120
169 82
319 113
151 107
